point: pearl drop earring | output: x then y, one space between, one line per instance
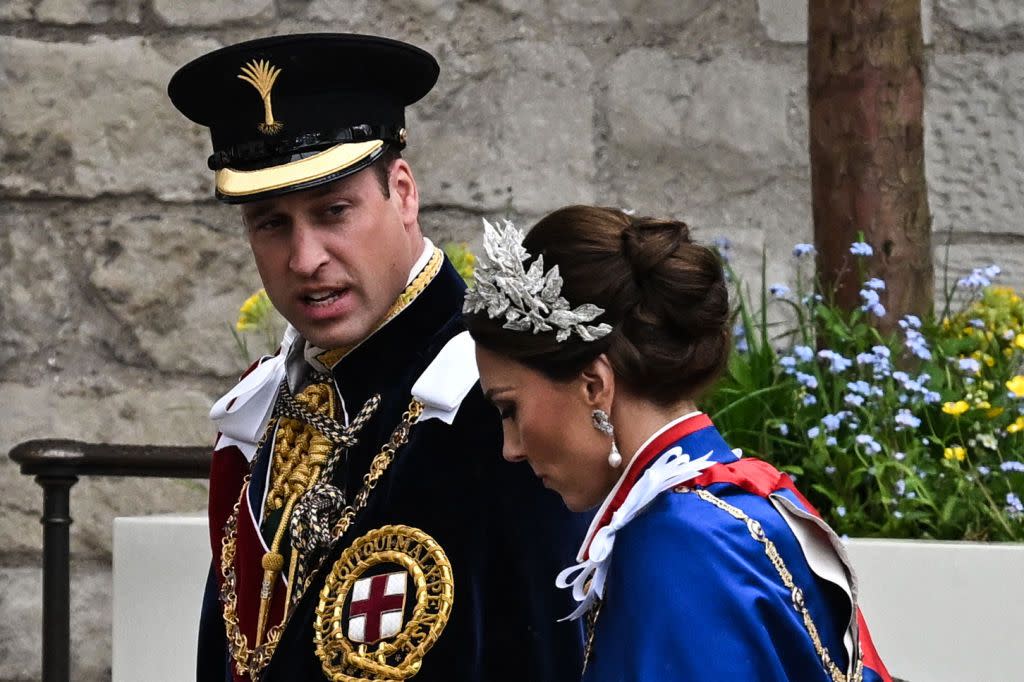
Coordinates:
603 424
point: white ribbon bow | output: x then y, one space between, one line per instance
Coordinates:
588 577
241 414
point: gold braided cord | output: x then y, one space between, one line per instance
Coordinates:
590 625
411 293
299 448
796 594
300 453
251 661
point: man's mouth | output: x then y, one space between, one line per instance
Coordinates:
325 297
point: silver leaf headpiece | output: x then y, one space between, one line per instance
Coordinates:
527 299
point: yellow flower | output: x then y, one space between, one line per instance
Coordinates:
1016 385
956 452
995 412
253 312
1016 426
956 409
983 405
462 258
1019 341
988 360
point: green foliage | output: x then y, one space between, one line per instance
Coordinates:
916 434
462 258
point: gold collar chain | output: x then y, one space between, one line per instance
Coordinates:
252 661
796 594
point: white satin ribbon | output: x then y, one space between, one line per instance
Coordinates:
448 379
587 578
241 414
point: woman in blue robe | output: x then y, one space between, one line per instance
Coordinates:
595 335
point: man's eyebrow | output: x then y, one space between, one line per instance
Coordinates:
259 210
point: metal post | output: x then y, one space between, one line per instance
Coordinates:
56 576
57 464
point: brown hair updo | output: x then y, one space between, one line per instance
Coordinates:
664 296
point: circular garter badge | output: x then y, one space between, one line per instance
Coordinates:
383 606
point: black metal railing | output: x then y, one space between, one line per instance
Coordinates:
56 465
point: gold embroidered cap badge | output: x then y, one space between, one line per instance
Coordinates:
363 628
261 75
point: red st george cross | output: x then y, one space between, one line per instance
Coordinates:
375 599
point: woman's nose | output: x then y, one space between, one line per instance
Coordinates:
512 449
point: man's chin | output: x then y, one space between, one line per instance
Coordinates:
335 338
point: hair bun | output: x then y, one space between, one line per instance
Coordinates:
648 242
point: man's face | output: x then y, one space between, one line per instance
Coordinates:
333 259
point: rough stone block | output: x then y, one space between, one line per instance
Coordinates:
177 13
974 139
40 298
785 21
16 10
150 286
685 134
509 129
170 413
176 278
985 16
589 11
769 220
89 119
661 12
89 12
21 594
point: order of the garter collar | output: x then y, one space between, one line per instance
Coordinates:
529 300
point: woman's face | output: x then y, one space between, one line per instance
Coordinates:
548 424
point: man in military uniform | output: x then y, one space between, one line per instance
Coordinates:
364 525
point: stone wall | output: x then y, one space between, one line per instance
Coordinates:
119 275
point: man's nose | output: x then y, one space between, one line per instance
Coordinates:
307 250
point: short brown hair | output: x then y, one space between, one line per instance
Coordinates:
664 296
382 168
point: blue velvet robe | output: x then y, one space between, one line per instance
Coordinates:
691 595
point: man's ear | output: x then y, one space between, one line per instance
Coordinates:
598 383
403 189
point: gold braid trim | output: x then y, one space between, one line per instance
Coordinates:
796 594
251 661
590 625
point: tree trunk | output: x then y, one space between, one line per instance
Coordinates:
866 94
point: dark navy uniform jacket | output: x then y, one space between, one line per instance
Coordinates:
505 536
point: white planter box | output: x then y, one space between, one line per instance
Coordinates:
160 568
938 611
944 611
